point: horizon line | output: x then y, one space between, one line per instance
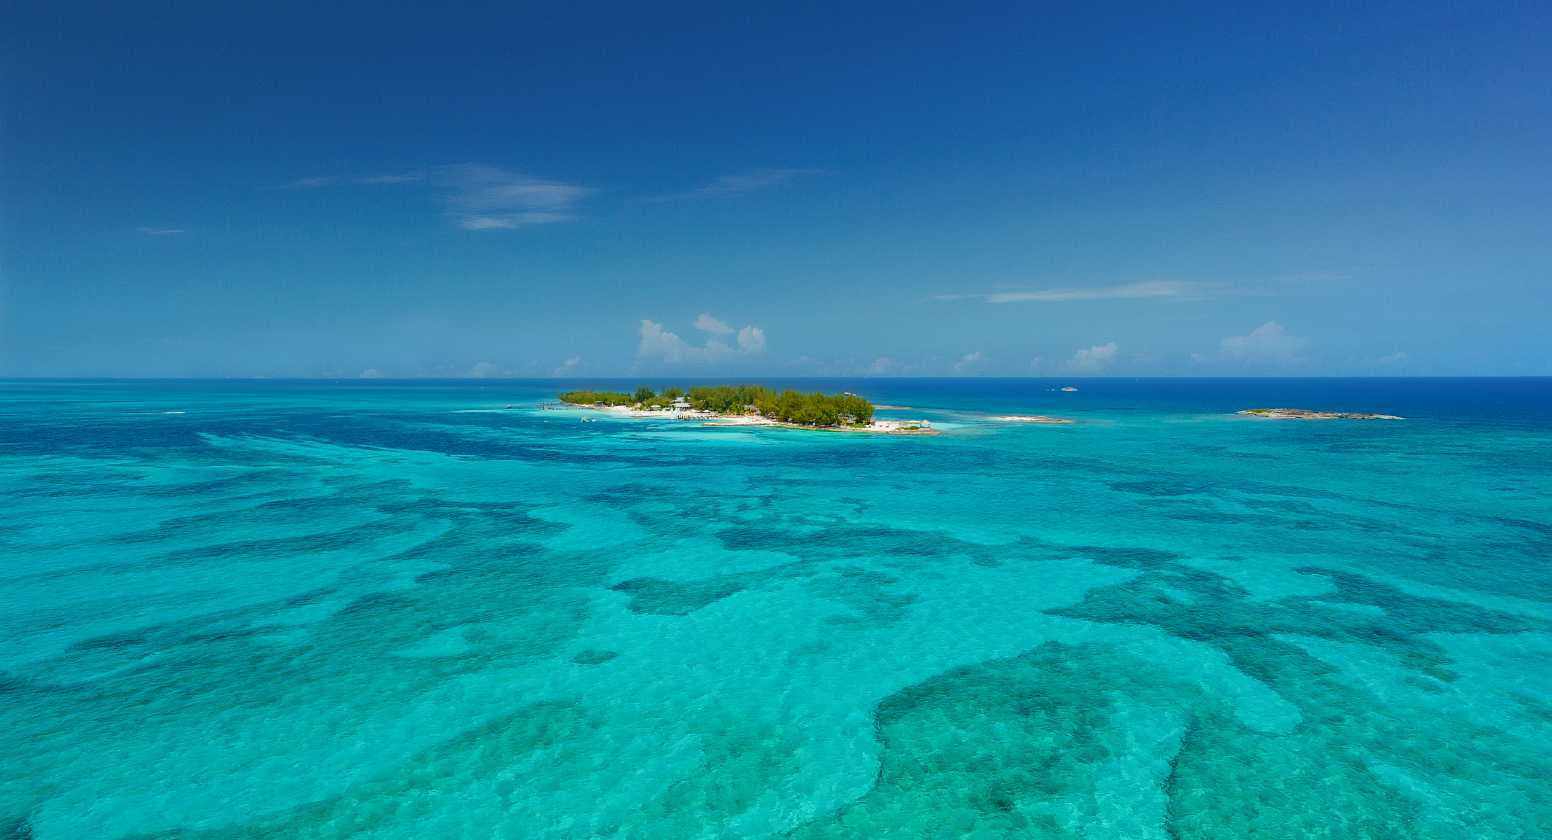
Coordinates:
493 379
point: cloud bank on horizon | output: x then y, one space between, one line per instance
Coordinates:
1266 349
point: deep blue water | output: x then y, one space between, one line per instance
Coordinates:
444 609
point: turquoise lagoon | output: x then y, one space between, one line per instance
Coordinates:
443 609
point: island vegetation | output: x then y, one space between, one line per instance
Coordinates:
597 398
642 397
788 406
1307 414
1038 419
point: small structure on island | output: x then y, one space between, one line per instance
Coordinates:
679 406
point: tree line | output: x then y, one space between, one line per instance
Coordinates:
788 406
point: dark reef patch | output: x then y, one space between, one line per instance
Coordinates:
1162 488
1017 747
457 767
739 760
591 656
655 596
1006 748
867 594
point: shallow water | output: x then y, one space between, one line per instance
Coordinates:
407 610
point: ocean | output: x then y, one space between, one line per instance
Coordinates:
451 609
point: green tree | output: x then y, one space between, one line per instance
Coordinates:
597 398
789 406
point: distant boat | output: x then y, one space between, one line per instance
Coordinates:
1068 388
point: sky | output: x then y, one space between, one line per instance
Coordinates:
1019 189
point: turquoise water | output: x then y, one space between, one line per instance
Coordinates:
442 610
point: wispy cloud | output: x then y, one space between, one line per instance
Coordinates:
484 197
570 367
511 221
390 178
314 182
1130 291
741 182
758 179
477 196
156 231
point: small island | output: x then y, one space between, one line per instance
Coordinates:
1039 419
750 405
1307 414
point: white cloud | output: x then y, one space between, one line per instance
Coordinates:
313 182
707 323
1130 291
751 340
1396 358
1266 344
482 370
741 182
491 198
1094 359
568 367
754 180
969 361
155 231
512 221
390 178
478 196
371 373
659 344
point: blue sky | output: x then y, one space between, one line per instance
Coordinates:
891 189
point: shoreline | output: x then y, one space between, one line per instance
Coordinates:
916 428
1309 414
1035 419
901 428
